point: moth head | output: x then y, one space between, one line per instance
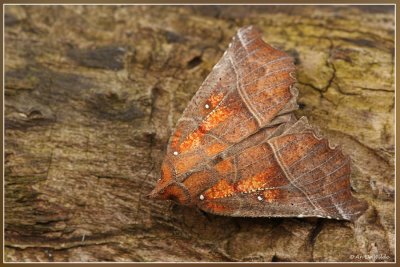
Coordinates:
168 188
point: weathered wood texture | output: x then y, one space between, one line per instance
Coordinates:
91 96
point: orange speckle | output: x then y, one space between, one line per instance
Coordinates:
215 99
271 177
213 119
224 166
272 194
215 148
218 115
175 139
192 140
253 183
184 164
220 190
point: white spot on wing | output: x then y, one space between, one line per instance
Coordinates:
201 197
176 153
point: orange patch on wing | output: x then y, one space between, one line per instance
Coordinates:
272 194
215 117
305 142
220 190
166 172
211 121
184 164
192 140
215 99
267 178
224 167
253 183
175 139
215 149
197 182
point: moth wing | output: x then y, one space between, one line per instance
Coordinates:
277 202
248 89
293 174
226 167
317 169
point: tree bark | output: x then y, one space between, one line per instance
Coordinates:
93 92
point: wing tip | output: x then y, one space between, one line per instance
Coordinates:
247 33
248 28
359 208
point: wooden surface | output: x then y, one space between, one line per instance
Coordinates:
92 94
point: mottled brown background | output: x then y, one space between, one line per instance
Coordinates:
91 96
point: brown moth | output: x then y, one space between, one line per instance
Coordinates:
238 150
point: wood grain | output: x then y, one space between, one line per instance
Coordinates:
93 92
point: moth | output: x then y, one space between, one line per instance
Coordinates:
238 149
